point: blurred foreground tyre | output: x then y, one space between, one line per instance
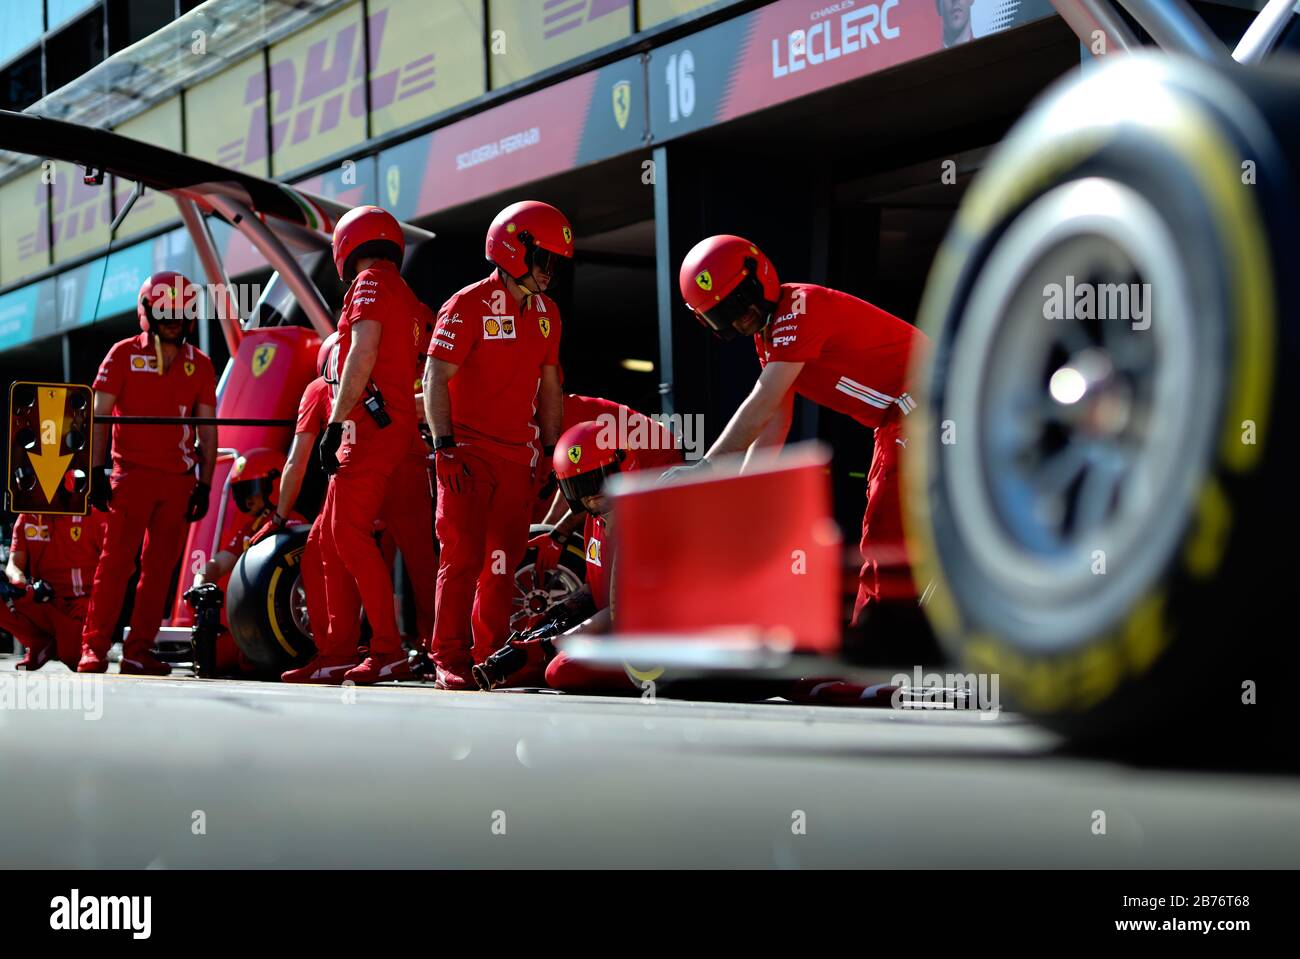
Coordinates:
1096 496
532 599
266 605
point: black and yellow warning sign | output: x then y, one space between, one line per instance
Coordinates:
50 430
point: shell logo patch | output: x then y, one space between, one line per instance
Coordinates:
141 363
189 368
75 533
704 280
262 358
593 552
568 234
39 533
575 454
498 327
544 325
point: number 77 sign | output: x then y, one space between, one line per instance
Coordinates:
50 428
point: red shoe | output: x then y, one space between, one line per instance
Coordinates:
381 668
141 664
454 679
325 670
92 662
36 657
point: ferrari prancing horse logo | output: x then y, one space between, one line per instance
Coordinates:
545 325
262 357
189 368
622 102
575 454
704 281
75 533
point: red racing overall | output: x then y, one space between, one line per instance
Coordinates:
153 477
500 348
351 561
856 358
63 551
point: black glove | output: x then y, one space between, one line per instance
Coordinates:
42 592
198 507
101 489
548 488
330 442
204 596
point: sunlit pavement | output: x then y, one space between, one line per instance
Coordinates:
128 772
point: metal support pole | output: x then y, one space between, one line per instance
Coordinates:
1264 30
206 248
1177 28
665 287
1087 18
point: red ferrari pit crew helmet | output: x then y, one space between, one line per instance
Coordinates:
166 295
582 461
723 277
257 471
326 358
366 231
529 234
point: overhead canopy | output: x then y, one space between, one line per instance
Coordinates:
204 41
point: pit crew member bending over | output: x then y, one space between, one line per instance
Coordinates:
836 350
653 446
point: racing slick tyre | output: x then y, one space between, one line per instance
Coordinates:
533 599
1095 497
266 604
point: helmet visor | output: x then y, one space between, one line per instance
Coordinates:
585 484
243 491
721 318
544 260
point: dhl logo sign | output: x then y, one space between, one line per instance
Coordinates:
310 94
76 209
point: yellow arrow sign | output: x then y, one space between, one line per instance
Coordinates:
49 465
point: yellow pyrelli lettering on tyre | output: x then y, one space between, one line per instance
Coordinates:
1045 685
270 614
1100 669
1145 634
1209 537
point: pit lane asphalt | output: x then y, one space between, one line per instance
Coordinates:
412 777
